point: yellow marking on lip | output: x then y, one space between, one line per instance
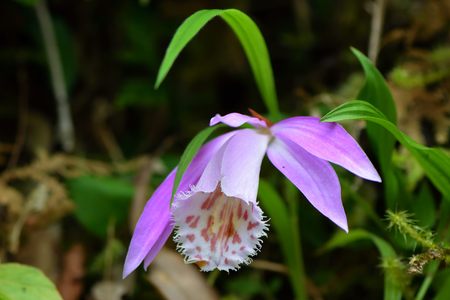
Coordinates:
201 263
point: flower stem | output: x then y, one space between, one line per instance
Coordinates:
297 272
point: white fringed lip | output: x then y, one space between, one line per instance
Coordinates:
216 231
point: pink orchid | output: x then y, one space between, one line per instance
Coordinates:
215 213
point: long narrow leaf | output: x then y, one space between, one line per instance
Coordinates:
184 34
376 92
434 161
251 40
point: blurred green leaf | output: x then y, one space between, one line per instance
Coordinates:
140 34
434 161
99 200
444 291
342 239
275 207
21 282
376 92
423 207
66 46
251 40
138 93
189 153
280 218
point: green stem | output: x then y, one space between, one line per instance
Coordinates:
297 275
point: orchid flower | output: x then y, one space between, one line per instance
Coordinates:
215 214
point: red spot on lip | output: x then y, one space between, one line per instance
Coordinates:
190 237
245 215
213 243
204 232
239 212
194 224
252 225
189 219
236 239
230 229
198 248
208 203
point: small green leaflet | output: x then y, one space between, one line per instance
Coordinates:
251 40
189 153
21 282
434 161
341 239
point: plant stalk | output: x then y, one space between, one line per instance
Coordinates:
65 124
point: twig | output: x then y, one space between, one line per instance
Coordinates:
378 9
269 266
65 124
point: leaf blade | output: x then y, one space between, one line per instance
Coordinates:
376 92
20 282
250 38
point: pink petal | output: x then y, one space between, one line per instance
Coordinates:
158 245
327 141
151 224
314 177
236 166
236 120
154 224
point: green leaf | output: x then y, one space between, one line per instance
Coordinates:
100 200
423 207
375 89
280 218
189 153
66 47
434 161
376 92
444 291
20 282
341 239
138 93
251 40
